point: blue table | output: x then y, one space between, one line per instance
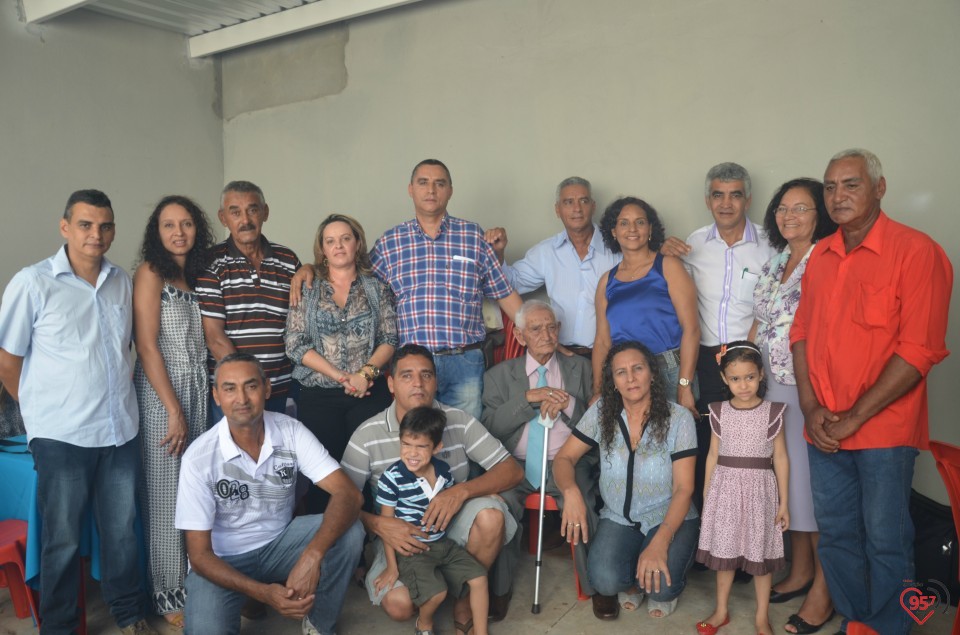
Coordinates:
19 500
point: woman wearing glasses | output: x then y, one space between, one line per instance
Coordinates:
796 218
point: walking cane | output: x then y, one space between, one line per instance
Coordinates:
543 494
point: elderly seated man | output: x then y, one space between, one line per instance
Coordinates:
470 512
520 395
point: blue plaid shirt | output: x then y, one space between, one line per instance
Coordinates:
439 282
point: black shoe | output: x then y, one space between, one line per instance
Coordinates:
778 598
742 576
806 628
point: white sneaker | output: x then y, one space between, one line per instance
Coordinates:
307 627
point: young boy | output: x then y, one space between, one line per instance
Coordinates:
405 490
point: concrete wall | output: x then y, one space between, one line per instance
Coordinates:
89 101
641 98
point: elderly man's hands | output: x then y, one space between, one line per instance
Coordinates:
552 401
304 275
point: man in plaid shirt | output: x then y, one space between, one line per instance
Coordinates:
440 268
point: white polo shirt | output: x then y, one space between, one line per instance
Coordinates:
725 277
246 503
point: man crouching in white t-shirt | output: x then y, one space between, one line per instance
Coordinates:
235 504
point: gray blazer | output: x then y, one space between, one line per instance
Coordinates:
505 406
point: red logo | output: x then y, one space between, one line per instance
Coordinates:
919 606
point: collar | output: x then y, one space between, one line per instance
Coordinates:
750 234
532 365
61 264
873 241
444 226
264 247
440 468
596 241
229 449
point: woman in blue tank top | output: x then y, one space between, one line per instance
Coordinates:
648 298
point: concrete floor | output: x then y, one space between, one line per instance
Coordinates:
561 613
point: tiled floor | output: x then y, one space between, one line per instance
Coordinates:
561 613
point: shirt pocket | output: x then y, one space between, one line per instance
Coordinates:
873 308
746 283
462 279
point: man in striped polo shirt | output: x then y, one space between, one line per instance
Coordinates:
470 512
244 294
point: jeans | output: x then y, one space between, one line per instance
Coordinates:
615 549
861 499
214 610
460 381
69 479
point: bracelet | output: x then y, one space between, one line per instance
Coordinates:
369 372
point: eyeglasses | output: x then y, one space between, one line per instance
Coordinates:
796 210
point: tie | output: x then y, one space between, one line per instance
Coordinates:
535 449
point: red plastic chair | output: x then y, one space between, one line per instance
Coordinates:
13 546
532 505
510 348
948 463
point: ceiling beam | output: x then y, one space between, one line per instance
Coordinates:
40 10
300 18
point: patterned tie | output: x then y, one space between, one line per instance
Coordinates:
534 463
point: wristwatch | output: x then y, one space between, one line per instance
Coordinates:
683 381
370 372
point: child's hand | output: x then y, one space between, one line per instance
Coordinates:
386 579
783 518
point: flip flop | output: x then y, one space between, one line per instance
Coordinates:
465 627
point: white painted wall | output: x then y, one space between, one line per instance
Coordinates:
640 97
89 101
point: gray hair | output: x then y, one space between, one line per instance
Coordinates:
245 358
243 187
574 180
874 169
727 172
520 319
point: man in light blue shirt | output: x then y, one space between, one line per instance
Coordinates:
569 264
65 333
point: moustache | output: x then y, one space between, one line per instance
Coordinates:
246 228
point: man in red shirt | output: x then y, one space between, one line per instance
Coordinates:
871 324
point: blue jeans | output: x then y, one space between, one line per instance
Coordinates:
861 499
614 551
69 479
460 381
214 610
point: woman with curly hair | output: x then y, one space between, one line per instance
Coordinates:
648 298
171 380
647 534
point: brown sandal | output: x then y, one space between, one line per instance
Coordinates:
464 628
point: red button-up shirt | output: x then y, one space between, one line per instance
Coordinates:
888 296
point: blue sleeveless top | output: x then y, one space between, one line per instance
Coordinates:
641 310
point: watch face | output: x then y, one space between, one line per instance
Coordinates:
684 381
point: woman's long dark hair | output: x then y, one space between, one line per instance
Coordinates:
154 254
611 404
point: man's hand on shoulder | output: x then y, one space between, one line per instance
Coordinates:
673 246
303 276
497 237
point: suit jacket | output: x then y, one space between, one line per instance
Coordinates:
505 406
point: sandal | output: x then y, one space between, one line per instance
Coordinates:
665 608
464 628
804 627
630 600
174 619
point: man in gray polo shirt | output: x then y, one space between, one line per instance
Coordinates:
468 512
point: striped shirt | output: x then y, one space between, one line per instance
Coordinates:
375 446
401 489
439 282
252 304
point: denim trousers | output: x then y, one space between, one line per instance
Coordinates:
861 499
71 478
615 550
214 610
460 381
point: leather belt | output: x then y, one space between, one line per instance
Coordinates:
459 350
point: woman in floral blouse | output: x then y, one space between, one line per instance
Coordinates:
796 219
339 336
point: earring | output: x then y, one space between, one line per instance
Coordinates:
326 263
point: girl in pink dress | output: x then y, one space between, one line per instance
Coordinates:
745 509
